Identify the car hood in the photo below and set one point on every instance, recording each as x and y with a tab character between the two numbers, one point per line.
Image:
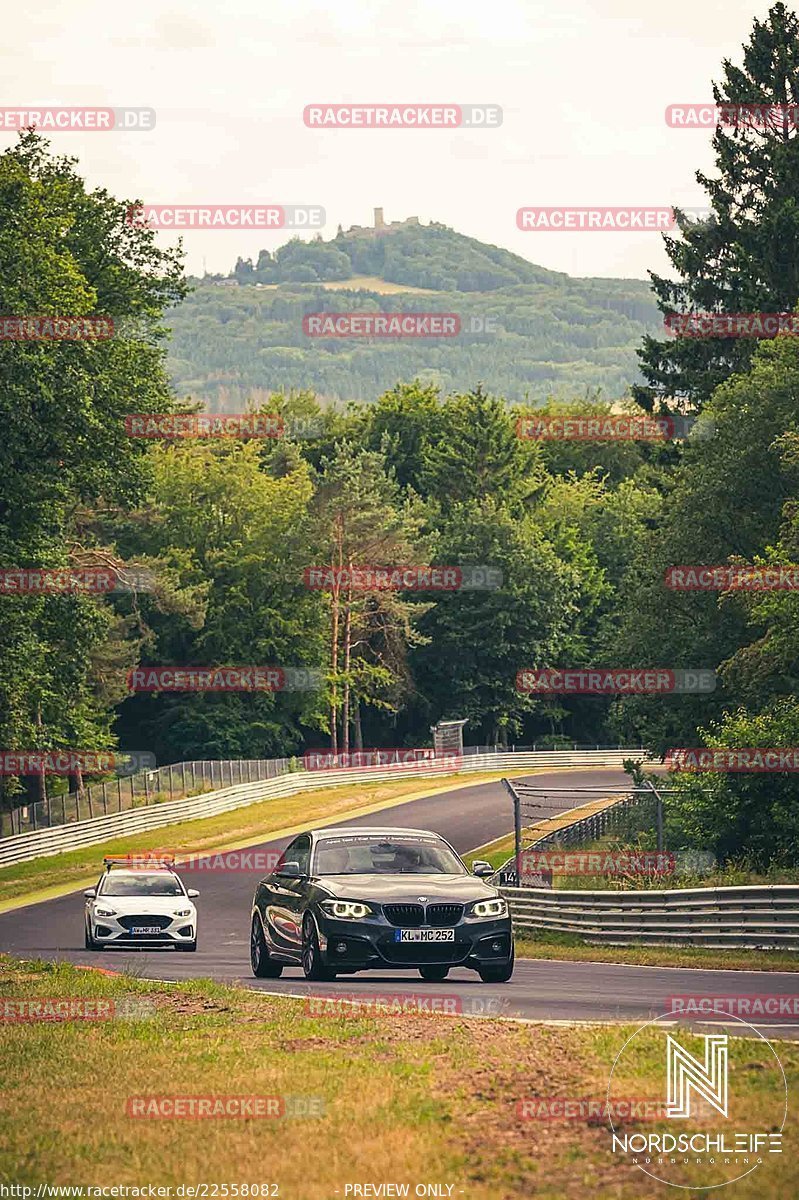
127	905
406	889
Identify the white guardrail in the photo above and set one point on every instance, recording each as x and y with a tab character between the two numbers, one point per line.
764	917
57	839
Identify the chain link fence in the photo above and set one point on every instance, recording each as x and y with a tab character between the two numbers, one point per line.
122	793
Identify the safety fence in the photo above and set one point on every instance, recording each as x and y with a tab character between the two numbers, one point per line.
171	782
59	838
606	816
756	918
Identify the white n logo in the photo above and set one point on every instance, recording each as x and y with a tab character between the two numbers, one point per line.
708	1079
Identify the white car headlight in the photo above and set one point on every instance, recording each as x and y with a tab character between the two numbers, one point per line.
490	908
103	912
182	912
345	910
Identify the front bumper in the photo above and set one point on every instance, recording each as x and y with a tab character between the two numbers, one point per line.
370	943
112	931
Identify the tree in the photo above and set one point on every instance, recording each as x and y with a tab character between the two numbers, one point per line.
723	503
477	453
68	251
480	640
745	257
232	541
752	816
363	521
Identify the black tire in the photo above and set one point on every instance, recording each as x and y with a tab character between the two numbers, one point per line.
262	965
313	964
434	974
188	947
500	973
88	940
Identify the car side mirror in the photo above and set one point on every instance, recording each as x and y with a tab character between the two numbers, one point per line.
291	870
481	868
90	893
192	893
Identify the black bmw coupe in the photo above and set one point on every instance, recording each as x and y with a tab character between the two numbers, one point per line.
360	899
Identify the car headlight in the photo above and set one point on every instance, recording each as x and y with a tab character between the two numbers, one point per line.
345	910
104	912
490	908
182	912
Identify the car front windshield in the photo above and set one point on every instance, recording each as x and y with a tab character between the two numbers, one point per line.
141	885
373	855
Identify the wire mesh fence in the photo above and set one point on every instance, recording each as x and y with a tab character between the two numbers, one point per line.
535	808
122	793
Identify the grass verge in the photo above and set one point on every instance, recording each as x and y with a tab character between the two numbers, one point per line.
402	1098
547	943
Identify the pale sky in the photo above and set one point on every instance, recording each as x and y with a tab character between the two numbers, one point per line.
583	88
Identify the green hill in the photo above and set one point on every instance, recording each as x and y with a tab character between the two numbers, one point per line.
524	331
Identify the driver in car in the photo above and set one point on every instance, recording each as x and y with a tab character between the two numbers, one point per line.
406	859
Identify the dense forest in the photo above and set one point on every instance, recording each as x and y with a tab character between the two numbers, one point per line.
580	533
528	332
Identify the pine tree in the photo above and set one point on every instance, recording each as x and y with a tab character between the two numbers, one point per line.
745	257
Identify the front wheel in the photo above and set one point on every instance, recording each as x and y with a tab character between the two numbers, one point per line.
88	940
434	974
188	947
497	974
263	967
314	966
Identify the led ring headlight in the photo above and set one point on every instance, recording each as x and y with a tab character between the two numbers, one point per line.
490	908
345	910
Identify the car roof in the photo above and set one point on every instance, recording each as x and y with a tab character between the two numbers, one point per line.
383	830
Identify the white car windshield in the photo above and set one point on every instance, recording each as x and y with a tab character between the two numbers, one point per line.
385	856
141	884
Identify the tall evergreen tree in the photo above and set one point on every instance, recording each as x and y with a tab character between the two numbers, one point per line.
745	257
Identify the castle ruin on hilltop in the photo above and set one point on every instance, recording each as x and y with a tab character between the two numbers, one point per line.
380	225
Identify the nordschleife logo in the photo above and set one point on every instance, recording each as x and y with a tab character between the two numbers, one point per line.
725	1101
685	1073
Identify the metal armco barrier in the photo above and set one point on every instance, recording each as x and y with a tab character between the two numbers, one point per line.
58	839
765	918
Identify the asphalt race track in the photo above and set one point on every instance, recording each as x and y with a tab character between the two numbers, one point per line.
544	989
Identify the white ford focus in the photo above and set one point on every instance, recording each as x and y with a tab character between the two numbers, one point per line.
138	907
